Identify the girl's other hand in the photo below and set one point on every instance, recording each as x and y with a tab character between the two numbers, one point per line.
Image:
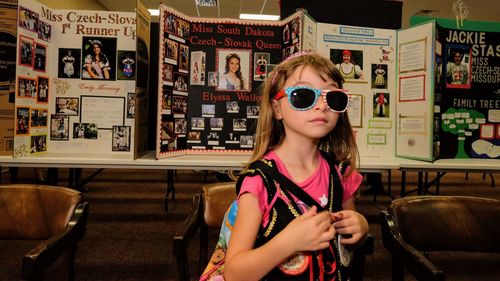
353	226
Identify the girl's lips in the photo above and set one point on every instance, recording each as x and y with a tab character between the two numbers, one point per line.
319	119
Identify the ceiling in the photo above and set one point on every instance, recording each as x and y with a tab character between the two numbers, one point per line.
480	10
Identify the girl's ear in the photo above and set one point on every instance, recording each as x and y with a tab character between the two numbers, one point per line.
277	110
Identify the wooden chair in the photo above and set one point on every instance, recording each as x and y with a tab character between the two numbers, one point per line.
55	215
208	212
414	226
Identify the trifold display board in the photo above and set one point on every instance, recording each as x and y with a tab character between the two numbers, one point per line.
211	70
448	99
78	88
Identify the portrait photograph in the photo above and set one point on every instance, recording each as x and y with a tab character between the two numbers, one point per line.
239	124
28	19
216	124
59	127
26	49
179	104
126	65
381	104
183	57
99	58
39	117
130	105
180	83
180	126
348	62
458	66
22	120
233	66
44	31
69	63
177	27
40	60
197	123
171	50
85	131
67	106
260	61
26	87
253	111
194	137
166	99
232	107
379	76
213	79
121	138
38	143
168	73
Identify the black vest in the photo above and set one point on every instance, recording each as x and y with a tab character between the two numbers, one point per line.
281	214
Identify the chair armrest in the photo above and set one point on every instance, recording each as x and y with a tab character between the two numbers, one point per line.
45	253
185	234
419	265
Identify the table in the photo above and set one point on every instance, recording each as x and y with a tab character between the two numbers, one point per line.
148	161
442	166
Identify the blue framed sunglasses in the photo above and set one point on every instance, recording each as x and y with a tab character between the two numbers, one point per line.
304	98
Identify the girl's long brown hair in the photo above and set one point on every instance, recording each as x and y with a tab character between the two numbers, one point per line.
270	132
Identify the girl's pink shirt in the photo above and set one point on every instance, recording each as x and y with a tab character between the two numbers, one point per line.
316	185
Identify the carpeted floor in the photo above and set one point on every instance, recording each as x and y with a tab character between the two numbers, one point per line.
129	234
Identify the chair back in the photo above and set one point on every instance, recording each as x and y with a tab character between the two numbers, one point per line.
448	223
35	212
216	199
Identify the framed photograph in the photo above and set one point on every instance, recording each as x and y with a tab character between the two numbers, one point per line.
59	127
166	100
183	57
26	87
379	76
168	73
179	104
26	49
38	143
22	120
38	117
261	60
180	126
233	66
232	107
126	65
381	104
28	19
43	90
44	31
121	138
99	58
85	131
67	106
181	83
239	124
167	131
40	60
253	111
349	63
130	105
207	110
171	51
216	124
213	79
197	123
69	63
458	66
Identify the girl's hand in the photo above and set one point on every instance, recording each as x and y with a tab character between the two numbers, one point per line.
351	223
311	231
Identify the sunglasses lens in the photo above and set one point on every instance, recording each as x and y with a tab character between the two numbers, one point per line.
302	98
337	100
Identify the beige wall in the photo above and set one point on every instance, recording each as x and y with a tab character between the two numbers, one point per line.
74	4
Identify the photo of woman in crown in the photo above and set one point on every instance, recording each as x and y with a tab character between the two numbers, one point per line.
99	58
234	70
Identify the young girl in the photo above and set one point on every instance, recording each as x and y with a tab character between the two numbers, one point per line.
302	112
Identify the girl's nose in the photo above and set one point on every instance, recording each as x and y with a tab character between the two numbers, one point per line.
320	104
